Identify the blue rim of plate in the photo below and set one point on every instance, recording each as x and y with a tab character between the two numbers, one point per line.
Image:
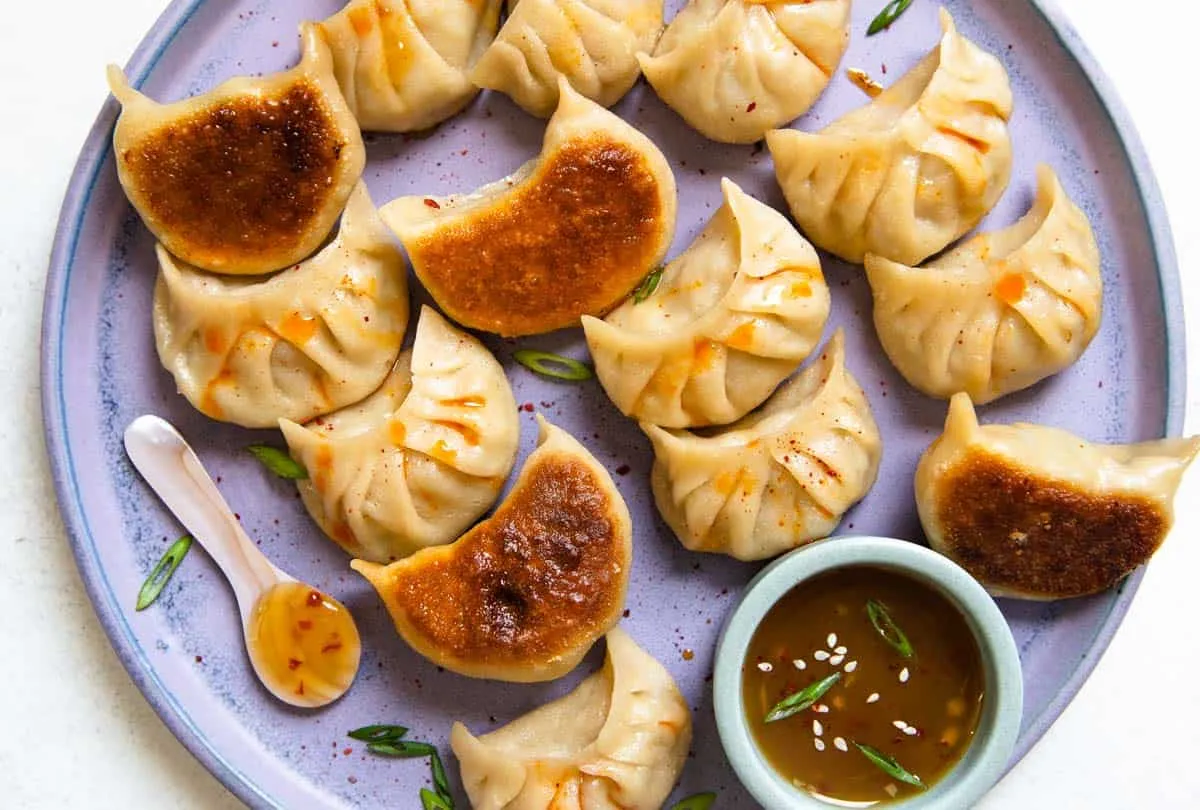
62	463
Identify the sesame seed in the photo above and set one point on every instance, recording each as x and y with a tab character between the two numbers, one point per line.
873	697
821	708
851	666
904	675
900	724
837	660
840	744
891	790
765	666
910	731
818	729
799	664
831	640
841	650
821	655
818	743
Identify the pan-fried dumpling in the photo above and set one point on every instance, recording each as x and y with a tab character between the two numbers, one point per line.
298	344
569	234
998	313
248	178
912	171
730	319
417	462
592	43
779	478
1035	512
403	64
523	595
737	68
619	740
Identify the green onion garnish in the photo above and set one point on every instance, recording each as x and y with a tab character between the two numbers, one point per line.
889	766
554	366
278	461
887	627
163	572
379	733
648	286
440	783
405	749
701	801
432	801
388	741
804	699
888	16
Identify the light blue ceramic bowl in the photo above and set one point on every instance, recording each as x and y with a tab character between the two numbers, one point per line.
986	759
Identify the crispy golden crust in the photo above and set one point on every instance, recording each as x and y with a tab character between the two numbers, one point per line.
1026	534
539	578
242	180
573	241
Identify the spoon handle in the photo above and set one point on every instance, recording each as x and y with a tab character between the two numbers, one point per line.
173	471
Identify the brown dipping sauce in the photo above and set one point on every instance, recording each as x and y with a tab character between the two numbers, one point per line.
937	694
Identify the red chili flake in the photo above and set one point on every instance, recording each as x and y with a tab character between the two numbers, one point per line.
751	107
352	780
623	469
883	68
293	663
275	44
305	624
237	516
688	655
527	407
199	659
336	645
347	752
432	203
300	688
625	613
315	598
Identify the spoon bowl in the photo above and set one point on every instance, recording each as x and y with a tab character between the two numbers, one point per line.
303	644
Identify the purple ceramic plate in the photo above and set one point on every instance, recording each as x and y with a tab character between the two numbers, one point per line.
100	371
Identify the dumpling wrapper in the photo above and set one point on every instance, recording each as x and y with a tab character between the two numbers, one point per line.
734	69
248	178
731	318
421	459
1035	512
523	595
781	477
300	343
999	313
593	44
571	233
913	170
402	64
619	740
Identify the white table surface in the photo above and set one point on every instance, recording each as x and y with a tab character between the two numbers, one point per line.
77	733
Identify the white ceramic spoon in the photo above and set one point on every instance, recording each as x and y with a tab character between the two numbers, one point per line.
303	644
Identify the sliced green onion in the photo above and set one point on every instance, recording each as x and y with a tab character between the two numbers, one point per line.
440	783
401	748
378	733
278	461
889	766
804	699
700	801
432	801
887	627
648	286
554	366
163	572
891	12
